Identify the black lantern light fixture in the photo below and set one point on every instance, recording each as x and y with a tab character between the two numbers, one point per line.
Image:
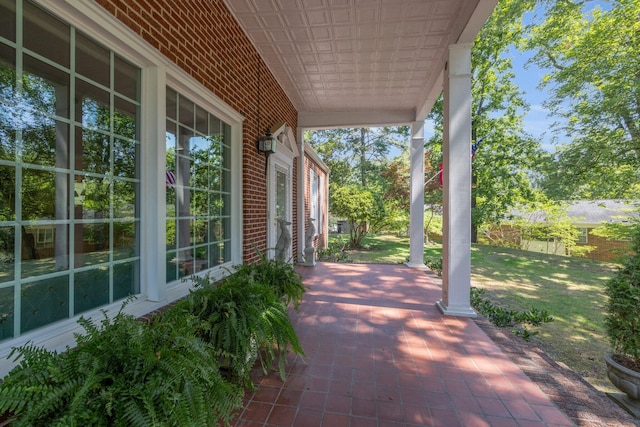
267	145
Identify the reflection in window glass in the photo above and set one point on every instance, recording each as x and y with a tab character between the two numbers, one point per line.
7	254
44	302
46	35
70	241
196	151
6	312
91	289
8	20
92	60
127	78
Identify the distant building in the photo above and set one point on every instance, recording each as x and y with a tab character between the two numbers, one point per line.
586	215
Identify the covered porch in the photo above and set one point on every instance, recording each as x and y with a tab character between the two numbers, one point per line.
379	353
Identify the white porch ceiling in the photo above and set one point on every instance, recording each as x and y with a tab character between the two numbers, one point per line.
359	62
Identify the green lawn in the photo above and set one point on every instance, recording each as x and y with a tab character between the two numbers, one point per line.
570	289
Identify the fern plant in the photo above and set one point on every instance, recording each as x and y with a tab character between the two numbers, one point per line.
122	372
281	276
242	319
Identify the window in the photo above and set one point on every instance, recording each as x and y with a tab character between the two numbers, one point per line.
198	188
316	201
583	234
69	144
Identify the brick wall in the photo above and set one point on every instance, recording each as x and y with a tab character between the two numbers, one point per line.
203	38
606	250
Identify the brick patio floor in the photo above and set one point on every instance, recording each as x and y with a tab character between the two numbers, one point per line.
379	353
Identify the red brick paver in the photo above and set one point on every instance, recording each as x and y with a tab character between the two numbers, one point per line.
379	353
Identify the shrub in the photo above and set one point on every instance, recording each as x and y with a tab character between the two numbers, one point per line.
278	275
434	264
335	252
503	317
622	320
121	372
241	318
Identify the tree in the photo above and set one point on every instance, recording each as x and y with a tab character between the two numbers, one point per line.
506	154
592	59
358	155
358	206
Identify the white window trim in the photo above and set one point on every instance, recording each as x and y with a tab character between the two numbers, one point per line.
157	73
314	199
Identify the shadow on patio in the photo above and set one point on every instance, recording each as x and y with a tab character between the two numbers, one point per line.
379	353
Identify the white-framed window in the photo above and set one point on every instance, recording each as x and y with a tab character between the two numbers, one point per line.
83	208
583	235
198	190
71	119
316	208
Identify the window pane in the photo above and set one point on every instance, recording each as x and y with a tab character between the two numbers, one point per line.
7	254
124	240
46	92
172	267
171	235
202	121
93	244
47	256
44	302
125	280
91	289
125	117
8	192
201	231
6	313
171	104
125	154
8	122
8	19
124	199
198	202
93	109
92	151
185	114
46	144
52	190
46	35
91	198
126	78
92	60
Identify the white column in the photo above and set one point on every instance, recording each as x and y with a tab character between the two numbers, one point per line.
300	186
456	239
416	222
153	209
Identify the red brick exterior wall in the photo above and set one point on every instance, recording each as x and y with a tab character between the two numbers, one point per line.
322	240
606	250
203	38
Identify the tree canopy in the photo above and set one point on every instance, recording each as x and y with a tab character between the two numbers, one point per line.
591	54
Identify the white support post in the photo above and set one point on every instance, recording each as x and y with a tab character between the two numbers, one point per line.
300	181
153	206
416	222
456	239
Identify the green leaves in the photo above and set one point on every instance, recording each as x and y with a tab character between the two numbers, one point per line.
623	307
592	58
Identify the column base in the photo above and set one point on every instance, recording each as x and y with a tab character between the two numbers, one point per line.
419	265
460	311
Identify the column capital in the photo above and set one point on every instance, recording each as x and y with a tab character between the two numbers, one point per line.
460	59
417	130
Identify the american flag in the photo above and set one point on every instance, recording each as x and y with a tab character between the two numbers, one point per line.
474	147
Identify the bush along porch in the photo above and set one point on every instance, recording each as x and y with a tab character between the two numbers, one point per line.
188	365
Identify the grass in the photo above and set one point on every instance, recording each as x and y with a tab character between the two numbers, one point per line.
570	289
